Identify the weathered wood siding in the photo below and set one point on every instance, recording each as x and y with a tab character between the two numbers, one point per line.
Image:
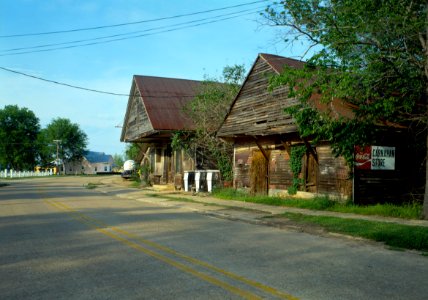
138	121
280	175
332	174
242	163
258	111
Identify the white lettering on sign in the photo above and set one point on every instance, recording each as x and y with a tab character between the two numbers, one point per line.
383	158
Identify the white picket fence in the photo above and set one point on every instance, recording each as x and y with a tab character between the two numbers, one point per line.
20	174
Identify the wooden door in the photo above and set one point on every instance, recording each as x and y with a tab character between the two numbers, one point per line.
311	173
258	174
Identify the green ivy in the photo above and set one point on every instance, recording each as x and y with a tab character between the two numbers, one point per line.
297	152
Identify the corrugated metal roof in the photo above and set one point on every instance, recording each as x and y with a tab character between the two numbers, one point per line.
164	99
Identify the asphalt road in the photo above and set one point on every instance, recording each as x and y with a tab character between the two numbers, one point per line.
59	240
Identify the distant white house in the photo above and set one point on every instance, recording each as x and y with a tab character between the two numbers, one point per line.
91	163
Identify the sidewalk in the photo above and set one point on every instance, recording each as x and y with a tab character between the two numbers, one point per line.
237	210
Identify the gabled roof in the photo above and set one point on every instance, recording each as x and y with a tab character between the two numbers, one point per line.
255	111
164	99
258	112
157	104
97	157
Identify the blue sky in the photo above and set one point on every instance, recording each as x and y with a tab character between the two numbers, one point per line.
189	53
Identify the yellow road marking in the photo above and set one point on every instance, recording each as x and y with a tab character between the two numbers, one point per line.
97	224
180	266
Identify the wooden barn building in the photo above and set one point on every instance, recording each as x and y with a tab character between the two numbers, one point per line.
154	112
264	137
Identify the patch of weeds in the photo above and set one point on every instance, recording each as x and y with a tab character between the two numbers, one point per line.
91	185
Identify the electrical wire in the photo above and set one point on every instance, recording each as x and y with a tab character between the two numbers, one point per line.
62	83
128	23
163	29
167	95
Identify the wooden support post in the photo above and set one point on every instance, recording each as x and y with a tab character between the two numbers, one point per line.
261	148
287	146
310	149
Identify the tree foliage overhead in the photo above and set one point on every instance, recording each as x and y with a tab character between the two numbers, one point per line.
72	141
208	110
370	53
19	128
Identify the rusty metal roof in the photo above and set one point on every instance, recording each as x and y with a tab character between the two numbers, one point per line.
164	99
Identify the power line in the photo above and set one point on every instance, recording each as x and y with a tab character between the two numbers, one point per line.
128	23
62	83
16	51
167	95
120	39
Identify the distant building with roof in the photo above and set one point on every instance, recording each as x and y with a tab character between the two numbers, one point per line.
154	113
91	163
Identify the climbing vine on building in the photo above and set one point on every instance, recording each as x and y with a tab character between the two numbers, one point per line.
296	155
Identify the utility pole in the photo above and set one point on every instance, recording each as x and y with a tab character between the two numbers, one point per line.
57	151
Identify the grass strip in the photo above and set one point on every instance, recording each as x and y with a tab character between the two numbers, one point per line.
393	235
405	211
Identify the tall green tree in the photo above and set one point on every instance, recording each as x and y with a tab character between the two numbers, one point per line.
373	54
63	137
132	151
118	161
19	128
207	110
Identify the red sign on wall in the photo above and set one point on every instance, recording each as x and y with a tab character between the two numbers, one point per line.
363	159
375	158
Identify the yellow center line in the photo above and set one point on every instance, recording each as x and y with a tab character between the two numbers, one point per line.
195	261
180	266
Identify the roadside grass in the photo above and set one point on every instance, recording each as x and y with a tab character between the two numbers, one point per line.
405	211
396	236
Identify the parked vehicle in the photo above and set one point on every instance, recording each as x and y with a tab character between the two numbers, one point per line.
129	169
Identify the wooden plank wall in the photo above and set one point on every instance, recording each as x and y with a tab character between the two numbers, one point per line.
280	175
257	111
333	176
138	121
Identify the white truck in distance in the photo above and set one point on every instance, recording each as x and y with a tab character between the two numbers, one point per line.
129	168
